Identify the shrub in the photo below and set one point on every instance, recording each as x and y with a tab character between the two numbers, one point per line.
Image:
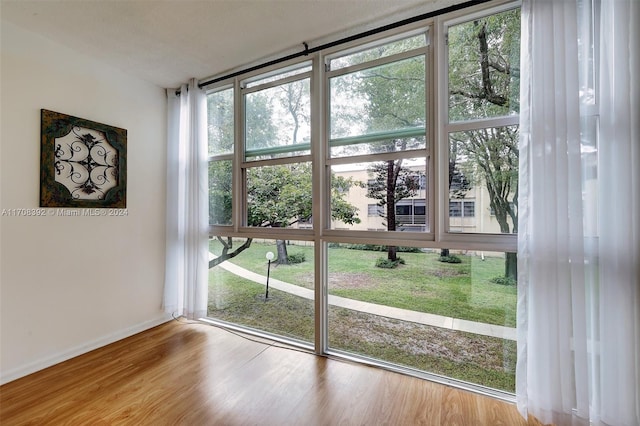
450	259
385	263
375	247
297	258
503	281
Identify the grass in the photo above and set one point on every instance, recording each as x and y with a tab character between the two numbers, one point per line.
237	300
460	290
423	284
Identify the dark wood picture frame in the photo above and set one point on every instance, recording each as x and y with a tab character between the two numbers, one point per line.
82	163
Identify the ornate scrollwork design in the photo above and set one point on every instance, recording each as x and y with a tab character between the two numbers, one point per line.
85	163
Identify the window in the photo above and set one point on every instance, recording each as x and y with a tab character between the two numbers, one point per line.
459	208
455	209
403	209
377	124
483	107
277	115
338	162
374	210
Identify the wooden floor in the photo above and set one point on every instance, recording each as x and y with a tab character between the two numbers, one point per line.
196	374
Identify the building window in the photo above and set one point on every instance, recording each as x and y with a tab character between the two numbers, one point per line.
462	208
403	209
374	210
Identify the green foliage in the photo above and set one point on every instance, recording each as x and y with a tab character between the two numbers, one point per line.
297	257
385	263
220	198
449	259
508	281
279	196
375	247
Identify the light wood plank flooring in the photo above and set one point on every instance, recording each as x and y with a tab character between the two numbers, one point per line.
196	374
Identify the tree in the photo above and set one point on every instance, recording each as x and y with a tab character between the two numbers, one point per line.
391	183
484	83
280	196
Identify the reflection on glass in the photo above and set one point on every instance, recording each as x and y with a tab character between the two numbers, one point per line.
237	286
220	122
451	313
378	52
279	75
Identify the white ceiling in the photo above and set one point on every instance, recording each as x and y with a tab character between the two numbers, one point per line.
167	42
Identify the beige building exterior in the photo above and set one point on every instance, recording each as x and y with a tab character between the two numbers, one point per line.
470	214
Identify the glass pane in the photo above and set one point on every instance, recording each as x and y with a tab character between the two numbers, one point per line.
483	176
220	203
378	52
220	122
380	101
359	194
278	121
451	313
484	67
238	291
279	196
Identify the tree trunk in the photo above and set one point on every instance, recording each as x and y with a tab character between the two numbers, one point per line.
444	252
391	206
283	256
391	253
511	266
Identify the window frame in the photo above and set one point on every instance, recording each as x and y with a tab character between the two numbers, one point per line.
424	239
477	241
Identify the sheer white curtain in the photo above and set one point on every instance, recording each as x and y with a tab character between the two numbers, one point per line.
187	203
579	219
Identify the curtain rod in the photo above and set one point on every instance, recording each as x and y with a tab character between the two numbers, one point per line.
308	51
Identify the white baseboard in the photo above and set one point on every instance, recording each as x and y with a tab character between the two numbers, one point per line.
32	367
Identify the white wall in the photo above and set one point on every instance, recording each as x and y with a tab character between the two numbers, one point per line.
70	284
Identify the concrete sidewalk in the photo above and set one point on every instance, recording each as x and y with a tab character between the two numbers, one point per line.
372	308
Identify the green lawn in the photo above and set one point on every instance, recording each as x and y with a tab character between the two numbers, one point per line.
422	284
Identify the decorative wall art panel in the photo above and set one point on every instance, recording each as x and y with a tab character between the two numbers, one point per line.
82	163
